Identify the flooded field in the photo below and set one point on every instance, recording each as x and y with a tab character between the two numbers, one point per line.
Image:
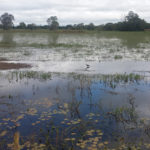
72	91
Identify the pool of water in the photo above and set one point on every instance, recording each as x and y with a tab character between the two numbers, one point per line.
83	91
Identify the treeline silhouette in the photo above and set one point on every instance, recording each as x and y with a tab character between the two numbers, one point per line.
131	22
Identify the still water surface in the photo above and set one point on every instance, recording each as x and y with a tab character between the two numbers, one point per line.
84	90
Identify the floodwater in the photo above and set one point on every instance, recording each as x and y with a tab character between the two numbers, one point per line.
83	91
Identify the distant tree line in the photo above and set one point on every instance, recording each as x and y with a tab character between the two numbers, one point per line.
131	22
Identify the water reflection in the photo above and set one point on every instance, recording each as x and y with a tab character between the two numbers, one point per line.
76	106
128	39
100	46
52	39
7	40
111	102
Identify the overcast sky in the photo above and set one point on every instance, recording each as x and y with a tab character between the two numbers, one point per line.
74	11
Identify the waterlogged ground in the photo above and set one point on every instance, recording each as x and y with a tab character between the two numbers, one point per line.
83	91
102	46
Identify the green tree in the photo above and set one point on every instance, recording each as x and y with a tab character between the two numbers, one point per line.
90	26
80	26
22	25
131	16
132	22
31	26
7	21
109	27
53	22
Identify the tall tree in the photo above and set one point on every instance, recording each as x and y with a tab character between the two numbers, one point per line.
22	25
90	26
7	21
80	26
131	16
53	22
31	26
132	22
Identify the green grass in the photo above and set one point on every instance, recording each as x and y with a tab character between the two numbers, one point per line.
118	57
45	31
40	45
71	31
65	45
31	75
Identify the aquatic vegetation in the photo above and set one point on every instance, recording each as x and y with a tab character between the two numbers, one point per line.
30	74
7	44
118	57
116	79
125	77
26	53
41	45
101	46
3	133
82	108
31	111
75	134
124	114
74	131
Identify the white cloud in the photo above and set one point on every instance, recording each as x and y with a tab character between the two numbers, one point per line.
74	11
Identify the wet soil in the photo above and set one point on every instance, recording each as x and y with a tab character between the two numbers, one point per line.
7	66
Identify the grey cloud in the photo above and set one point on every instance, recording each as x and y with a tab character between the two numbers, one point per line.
74	11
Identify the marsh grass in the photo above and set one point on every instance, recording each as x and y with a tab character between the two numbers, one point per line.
41	45
45	31
26	53
83	133
116	79
51	45
118	57
6	44
73	130
110	80
30	75
100	46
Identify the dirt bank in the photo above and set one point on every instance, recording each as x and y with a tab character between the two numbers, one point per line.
7	66
3	59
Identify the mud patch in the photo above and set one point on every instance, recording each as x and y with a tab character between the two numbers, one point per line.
7	66
3	59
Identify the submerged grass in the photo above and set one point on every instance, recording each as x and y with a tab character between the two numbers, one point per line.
113	80
123	77
65	45
73	130
41	45
29	75
109	80
118	57
99	45
77	133
5	44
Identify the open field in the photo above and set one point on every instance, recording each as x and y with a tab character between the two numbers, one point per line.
74	90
